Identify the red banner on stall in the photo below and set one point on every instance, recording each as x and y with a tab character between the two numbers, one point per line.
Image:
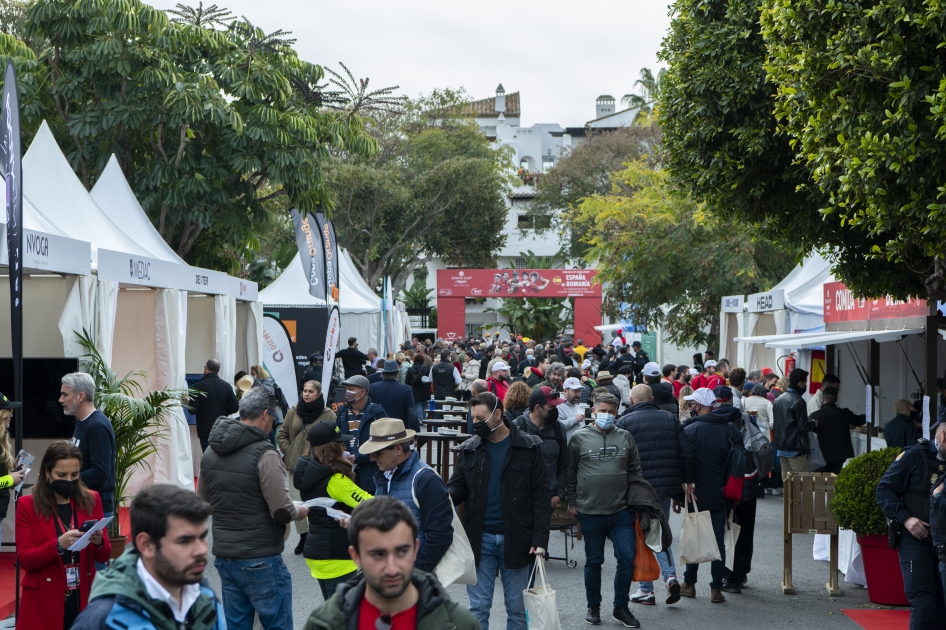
841	306
518	283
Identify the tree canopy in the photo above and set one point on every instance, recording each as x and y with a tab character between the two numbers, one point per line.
435	188
210	117
725	148
666	262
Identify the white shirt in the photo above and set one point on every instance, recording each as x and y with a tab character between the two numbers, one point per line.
189	593
568	418
816	402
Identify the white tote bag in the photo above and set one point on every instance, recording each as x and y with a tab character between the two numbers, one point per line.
730	536
458	565
541	611
697	541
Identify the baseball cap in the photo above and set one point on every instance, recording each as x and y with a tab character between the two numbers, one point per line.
316	356
325	433
545	394
6	403
694	372
709	363
500	365
572	383
704	396
651	369
722	393
766	371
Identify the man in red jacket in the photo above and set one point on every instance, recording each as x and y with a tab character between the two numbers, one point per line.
498	381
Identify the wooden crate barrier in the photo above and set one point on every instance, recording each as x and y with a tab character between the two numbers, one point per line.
807	497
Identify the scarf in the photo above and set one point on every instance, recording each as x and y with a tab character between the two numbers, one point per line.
309	412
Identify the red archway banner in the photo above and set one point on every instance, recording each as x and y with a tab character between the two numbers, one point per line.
453	285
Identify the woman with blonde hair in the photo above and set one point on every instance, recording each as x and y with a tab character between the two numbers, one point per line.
684	413
10	474
516	401
292	438
325	473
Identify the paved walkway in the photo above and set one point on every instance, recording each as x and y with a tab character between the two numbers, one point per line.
761	604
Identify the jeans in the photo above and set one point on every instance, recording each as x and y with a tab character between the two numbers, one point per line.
514	582
101	566
260	585
421	410
619	528
919	566
328	587
717	567
204	443
664	558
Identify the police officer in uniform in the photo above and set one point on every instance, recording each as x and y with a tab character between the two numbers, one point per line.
904	496
938	508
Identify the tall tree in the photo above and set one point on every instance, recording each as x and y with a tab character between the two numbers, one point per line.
585	170
435	189
724	147
210	117
666	262
648	92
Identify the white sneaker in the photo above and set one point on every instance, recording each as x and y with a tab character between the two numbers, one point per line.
640	597
777	492
769	491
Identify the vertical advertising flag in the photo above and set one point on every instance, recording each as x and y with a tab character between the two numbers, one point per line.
278	358
330	246
332	341
10	162
310	252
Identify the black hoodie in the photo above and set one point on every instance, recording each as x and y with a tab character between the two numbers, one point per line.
663	397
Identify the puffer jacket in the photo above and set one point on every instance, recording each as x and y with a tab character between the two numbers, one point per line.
790	422
667	456
709	435
471	372
414	378
435	609
293	435
553	448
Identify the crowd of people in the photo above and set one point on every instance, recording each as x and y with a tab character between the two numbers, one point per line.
601	435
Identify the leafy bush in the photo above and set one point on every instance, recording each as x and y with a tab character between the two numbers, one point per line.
854	503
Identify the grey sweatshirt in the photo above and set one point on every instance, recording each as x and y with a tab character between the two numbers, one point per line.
601	468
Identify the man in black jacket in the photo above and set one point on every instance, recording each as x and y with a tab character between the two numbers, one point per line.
662	390
218	400
834	430
421	390
668	465
640	360
500	462
395	398
791	425
353	359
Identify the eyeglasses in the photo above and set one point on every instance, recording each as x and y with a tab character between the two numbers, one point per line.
383	622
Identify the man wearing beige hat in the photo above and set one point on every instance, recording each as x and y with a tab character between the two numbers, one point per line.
404	476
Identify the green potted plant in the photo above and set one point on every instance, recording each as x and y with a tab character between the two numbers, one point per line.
855	508
138	422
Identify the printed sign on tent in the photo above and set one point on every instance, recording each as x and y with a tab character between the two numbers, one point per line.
278	358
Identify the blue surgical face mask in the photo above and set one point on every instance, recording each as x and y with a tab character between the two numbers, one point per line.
604	420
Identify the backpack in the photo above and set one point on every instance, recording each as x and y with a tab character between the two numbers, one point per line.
759	445
741	482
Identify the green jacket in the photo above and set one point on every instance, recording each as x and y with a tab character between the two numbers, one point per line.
435	609
120	599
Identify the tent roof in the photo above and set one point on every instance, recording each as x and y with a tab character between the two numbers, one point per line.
57	199
116	199
804	285
291	289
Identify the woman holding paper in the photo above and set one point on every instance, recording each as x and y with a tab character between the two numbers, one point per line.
57	581
10	473
325	473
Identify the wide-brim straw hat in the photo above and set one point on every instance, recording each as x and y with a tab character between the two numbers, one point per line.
245	383
385	432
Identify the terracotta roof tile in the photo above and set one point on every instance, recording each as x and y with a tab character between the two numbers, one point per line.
486	107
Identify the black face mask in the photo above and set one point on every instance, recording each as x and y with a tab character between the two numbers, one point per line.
482	429
552	416
63	487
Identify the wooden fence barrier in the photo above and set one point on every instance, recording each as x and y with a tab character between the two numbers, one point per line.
807	511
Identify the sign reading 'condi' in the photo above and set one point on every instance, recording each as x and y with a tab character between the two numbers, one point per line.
518	283
840	305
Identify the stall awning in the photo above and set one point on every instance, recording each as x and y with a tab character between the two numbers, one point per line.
829	338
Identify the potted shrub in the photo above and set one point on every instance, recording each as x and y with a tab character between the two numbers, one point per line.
138	422
855	508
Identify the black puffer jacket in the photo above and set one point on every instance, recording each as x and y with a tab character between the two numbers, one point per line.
663	397
664	448
709	436
414	378
327	540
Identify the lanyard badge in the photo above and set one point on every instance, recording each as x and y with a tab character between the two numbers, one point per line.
72	577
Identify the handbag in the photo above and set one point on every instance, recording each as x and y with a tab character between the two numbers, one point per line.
539	601
458	565
816	459
697	540
646	567
730	537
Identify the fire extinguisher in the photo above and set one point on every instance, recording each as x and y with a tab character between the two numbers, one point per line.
789	364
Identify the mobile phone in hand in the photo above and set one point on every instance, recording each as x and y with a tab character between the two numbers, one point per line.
86	526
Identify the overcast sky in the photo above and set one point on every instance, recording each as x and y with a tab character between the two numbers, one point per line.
559	54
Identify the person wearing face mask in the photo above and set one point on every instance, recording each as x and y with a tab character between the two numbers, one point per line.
501	480
243	478
56	581
541	420
355	417
904	495
606	491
